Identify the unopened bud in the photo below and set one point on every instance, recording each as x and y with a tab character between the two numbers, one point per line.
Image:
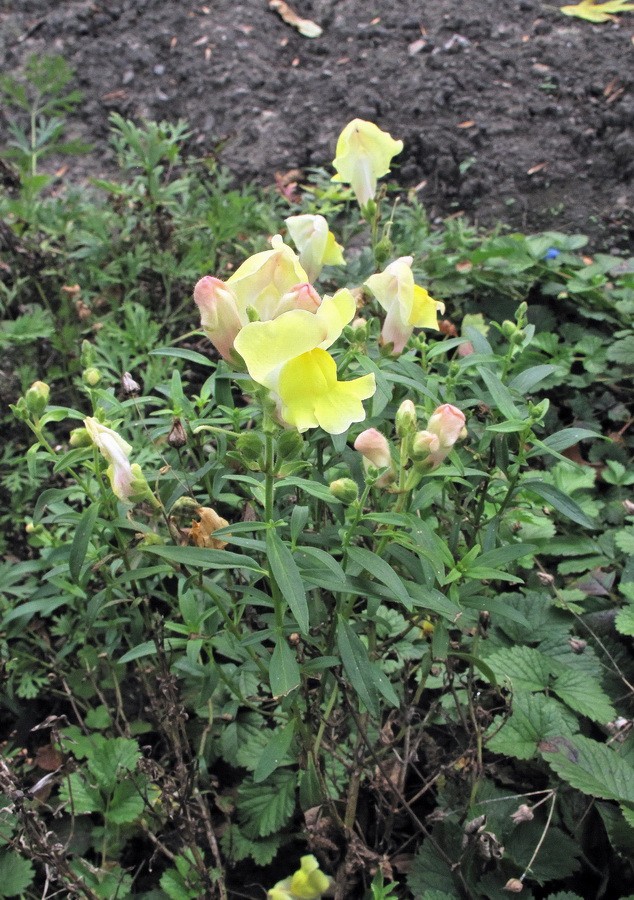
514	885
537	411
628	506
509	328
578	645
250	446
424	443
87	357
177	437
290	444
374	448
129	385
36	398
344	489
79	437
405	419
91	376
359	329
382	252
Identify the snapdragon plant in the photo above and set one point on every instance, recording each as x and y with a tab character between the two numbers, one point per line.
305	556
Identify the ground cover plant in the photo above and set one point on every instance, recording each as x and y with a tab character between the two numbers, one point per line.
318	583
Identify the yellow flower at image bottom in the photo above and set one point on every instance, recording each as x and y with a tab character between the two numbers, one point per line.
311	396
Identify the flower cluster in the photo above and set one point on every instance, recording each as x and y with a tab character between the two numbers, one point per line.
269	318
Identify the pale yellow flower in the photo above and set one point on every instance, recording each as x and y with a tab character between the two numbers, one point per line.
288	356
363	155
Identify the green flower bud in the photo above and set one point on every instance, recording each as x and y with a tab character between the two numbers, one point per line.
509	329
382	252
250	446
87	357
36	398
344	489
290	444
79	437
405	419
537	411
91	376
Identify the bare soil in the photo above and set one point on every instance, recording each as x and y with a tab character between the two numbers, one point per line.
510	111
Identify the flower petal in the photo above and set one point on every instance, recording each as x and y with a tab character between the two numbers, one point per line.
311	395
265	277
265	346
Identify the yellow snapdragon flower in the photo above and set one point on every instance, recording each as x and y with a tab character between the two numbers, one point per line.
316	244
407	305
308	883
288	356
263	279
363	155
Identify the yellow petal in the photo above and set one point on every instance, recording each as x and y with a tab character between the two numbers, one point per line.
424	309
265	346
311	395
335	312
265	277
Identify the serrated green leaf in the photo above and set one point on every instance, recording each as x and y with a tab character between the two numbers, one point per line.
534	718
126	803
237	847
274	752
111	757
624	540
265	808
625	620
288	577
525	667
382	571
176	887
16	873
622	351
243	741
584	695
619	830
592	768
80	796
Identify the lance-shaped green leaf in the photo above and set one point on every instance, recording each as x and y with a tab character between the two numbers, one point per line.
382	571
289	580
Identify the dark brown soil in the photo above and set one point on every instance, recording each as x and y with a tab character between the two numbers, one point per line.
509	109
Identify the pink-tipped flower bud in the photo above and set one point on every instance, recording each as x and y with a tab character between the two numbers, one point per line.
219	314
447	424
301	296
374	448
